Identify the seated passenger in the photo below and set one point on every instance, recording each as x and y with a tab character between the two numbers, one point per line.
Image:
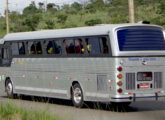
50	51
88	48
71	48
39	48
32	50
49	48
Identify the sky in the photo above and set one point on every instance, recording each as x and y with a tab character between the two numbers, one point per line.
19	5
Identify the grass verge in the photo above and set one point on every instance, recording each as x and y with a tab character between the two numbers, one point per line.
9	111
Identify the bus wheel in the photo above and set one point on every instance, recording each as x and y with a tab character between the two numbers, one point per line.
77	96
9	89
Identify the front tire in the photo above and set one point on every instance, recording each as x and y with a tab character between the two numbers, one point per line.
77	96
9	89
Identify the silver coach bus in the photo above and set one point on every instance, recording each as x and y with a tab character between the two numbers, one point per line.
108	63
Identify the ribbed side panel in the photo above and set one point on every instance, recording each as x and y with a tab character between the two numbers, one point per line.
158	80
130	81
101	83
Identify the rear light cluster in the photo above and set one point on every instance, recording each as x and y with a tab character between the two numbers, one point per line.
120	76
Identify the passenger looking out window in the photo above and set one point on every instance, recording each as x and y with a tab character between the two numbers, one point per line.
34	48
69	46
79	46
49	48
53	47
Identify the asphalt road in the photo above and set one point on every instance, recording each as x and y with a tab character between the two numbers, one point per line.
154	110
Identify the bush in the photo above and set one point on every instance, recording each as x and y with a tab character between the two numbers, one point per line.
62	18
49	24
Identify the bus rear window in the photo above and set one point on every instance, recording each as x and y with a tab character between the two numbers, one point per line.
140	39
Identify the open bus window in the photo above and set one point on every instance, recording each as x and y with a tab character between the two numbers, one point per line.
69	46
38	48
49	47
79	46
21	48
34	48
53	47
57	47
104	45
31	48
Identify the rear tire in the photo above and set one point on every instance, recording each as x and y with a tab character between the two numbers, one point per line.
9	89
77	96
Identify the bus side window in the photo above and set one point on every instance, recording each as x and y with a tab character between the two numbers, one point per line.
79	46
57	47
21	48
93	46
49	47
69	46
14	47
104	45
53	47
38	48
31	48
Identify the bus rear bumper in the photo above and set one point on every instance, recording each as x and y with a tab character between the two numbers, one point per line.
135	98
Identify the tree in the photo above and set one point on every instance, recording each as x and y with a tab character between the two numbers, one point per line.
31	9
66	8
52	7
75	7
31	22
95	5
41	6
161	7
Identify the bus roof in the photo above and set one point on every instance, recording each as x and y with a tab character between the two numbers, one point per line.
69	32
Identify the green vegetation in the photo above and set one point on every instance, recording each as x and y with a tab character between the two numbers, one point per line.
92	12
9	111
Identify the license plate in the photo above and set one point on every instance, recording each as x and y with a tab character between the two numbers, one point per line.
144	85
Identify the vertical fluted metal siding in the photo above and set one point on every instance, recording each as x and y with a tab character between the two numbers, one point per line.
101	83
158	80
130	81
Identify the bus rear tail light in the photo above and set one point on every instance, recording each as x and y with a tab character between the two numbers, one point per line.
120	76
119	69
119	90
120	83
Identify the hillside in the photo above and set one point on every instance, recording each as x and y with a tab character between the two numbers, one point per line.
35	17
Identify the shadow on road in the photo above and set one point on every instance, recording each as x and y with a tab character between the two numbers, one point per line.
134	107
